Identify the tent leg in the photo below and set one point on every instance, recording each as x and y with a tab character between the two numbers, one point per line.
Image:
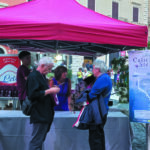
148	136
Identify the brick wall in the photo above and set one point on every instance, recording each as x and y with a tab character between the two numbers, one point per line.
12	2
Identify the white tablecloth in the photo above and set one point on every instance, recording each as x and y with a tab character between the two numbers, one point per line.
15	132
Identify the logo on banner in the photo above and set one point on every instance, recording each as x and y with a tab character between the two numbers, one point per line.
8	74
141	62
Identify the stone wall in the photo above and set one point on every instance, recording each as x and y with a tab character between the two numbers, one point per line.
149	19
77	62
105	7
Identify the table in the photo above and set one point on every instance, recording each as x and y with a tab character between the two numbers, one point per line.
15	132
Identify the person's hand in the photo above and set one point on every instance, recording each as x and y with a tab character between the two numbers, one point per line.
53	90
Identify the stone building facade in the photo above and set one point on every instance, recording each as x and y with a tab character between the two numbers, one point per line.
149	19
132	11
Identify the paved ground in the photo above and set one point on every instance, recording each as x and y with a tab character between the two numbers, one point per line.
139	129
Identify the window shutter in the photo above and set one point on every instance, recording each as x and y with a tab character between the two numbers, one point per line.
115	10
91	4
135	14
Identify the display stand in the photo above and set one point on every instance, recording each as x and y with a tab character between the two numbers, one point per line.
14	99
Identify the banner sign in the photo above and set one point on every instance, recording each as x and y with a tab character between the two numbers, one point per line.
139	86
8	69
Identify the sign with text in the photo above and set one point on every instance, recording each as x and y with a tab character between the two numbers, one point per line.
139	86
8	69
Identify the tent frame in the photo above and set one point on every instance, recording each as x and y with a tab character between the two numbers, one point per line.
79	48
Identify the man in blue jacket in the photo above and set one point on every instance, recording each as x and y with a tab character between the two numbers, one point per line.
102	85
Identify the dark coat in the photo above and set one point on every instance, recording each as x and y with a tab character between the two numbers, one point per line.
42	110
91	114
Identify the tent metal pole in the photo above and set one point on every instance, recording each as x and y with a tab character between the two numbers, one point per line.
56	46
147	131
113	49
148	136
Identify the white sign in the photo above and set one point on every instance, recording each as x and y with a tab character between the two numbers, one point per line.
139	86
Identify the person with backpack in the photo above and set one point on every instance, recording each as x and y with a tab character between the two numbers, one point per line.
102	86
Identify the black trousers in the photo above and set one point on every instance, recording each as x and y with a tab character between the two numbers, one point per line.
97	138
39	133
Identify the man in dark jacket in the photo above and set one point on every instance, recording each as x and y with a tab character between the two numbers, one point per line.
102	85
42	112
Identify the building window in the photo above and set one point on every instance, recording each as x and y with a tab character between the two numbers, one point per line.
135	14
2	5
91	4
70	59
115	10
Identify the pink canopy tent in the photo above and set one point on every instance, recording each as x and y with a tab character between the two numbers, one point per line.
67	26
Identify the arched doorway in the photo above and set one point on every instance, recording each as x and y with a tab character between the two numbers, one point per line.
2	5
2	51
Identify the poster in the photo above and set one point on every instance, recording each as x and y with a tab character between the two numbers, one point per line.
8	69
139	86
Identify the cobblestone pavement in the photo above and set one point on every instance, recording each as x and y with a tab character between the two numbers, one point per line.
139	129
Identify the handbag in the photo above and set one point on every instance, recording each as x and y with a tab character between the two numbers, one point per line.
27	106
84	121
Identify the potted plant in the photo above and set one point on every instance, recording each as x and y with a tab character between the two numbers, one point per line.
123	82
115	67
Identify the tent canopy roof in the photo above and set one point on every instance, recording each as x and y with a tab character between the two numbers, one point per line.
65	25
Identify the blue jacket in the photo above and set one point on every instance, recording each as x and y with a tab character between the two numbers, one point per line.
102	85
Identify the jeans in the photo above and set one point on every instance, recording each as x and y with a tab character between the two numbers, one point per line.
97	138
79	80
39	133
